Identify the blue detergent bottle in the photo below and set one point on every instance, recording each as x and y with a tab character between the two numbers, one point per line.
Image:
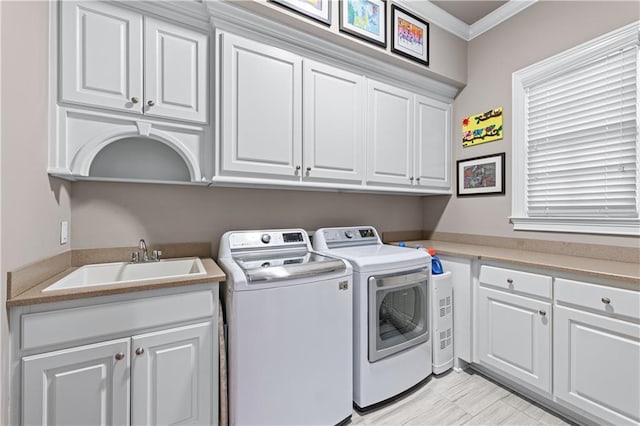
436	265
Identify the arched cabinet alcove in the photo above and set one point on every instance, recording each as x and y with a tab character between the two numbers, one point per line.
103	146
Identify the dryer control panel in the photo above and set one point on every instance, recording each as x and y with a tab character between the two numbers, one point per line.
346	236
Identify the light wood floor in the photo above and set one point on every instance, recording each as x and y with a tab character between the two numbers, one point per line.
464	398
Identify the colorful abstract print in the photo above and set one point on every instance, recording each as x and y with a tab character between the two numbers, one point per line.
364	15
410	36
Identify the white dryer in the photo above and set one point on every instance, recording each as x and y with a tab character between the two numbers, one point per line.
289	318
391	339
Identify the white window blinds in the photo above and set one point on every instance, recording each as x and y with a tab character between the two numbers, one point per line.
581	133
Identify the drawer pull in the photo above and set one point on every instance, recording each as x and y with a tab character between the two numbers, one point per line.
543	313
606	300
509	280
139	351
119	356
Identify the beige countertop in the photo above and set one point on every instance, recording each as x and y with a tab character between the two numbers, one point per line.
626	274
35	295
25	285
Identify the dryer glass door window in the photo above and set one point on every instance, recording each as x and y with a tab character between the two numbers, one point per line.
398	312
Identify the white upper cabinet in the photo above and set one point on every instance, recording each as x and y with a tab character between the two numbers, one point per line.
175	71
261	109
432	154
390	134
100	55
333	111
102	65
408	138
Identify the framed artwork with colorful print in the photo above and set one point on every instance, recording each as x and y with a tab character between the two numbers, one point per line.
410	36
365	19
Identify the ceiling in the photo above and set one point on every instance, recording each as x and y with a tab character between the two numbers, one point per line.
468	11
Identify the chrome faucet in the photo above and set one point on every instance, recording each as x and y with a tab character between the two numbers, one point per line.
142	245
145	254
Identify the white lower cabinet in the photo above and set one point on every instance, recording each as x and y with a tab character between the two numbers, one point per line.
513	329
514	336
85	385
597	356
158	368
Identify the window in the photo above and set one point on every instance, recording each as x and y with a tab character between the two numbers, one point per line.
575	139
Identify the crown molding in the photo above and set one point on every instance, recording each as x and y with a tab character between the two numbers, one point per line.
455	26
498	16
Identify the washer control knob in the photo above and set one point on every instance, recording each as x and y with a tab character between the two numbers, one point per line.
265	238
348	234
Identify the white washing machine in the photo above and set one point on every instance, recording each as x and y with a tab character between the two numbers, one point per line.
391	339
289	318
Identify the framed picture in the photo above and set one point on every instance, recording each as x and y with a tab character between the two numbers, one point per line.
410	36
481	175
320	10
365	19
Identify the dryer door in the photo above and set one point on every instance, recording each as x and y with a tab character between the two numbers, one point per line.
398	312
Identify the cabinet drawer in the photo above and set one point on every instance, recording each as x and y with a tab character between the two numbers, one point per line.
111	319
516	281
607	300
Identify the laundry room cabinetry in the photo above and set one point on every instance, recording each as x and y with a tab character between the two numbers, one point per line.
113	57
408	138
263	115
125	75
597	350
513	329
121	363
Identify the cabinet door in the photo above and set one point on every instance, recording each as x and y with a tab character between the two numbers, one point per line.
100	55
596	365
176	63
432	156
172	377
261	109
389	134
86	385
514	336
333	146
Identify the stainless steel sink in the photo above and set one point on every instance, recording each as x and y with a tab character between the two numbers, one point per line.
125	272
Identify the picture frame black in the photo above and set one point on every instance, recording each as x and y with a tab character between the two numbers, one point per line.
481	176
303	8
354	23
409	35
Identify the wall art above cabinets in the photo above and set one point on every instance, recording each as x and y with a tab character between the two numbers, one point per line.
132	99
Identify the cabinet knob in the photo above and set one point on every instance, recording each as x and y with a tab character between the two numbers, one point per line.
298	168
308	169
418	179
509	281
411	178
543	313
151	103
119	356
606	300
139	351
135	100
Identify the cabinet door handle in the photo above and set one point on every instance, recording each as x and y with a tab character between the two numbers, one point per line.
151	103
543	313
139	351
298	168
411	178
135	100
418	179
509	281
308	169
606	300
119	356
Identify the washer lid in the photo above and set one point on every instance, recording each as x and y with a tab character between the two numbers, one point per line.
270	266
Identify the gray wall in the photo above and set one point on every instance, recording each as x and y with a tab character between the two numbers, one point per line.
118	214
32	203
540	31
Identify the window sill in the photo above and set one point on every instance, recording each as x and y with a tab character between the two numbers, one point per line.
628	227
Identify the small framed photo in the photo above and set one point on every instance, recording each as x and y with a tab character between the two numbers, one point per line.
410	36
365	19
320	10
481	175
